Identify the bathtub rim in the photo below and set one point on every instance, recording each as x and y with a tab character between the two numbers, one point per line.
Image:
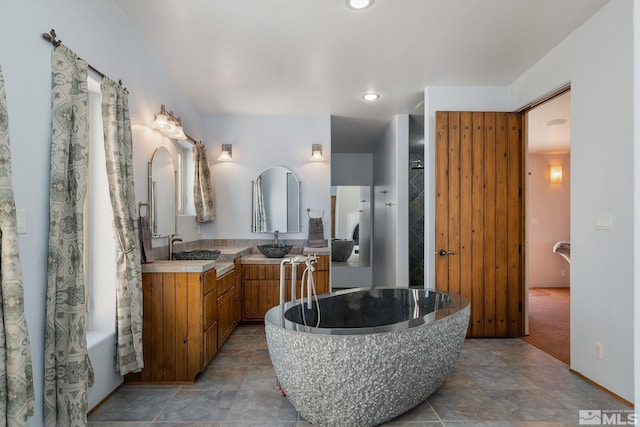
275	315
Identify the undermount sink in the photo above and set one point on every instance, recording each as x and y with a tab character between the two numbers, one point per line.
197	254
275	250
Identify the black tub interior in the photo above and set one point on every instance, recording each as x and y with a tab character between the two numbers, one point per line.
369	308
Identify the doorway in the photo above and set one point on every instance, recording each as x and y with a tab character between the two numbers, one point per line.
548	190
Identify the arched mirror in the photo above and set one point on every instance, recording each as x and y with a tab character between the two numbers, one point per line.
276	201
162	193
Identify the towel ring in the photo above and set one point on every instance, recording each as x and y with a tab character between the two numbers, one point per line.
309	215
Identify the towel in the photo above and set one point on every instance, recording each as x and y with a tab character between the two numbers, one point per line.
316	233
146	250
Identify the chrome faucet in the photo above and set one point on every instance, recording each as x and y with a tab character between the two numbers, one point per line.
275	233
172	239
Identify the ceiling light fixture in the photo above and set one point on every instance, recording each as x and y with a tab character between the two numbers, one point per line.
371	96
168	125
359	4
556	122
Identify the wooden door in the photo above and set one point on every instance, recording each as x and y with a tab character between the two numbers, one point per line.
479	217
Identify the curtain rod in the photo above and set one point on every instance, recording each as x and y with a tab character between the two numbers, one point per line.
51	37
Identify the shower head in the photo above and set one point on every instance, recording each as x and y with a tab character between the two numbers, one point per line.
415	164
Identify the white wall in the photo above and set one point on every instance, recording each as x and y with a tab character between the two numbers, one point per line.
636	197
598	61
548	220
391	205
98	33
258	143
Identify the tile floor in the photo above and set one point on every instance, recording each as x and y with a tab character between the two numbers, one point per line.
496	383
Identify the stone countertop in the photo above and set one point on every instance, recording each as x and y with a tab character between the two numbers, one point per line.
229	253
326	250
261	259
192	266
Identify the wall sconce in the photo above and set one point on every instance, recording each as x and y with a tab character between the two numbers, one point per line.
168	125
226	153
555	174
316	153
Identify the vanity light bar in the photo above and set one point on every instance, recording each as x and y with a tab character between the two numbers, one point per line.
169	125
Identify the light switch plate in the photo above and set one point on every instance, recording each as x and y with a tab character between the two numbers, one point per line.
21	219
603	221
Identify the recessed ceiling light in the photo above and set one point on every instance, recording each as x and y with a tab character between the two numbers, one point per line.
556	122
371	96
359	4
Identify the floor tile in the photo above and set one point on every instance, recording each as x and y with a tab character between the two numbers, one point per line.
467	404
261	424
121	424
476	356
498	378
422	412
261	405
243	342
534	405
260	378
482	424
134	404
188	424
261	358
219	378
232	358
198	405
553	377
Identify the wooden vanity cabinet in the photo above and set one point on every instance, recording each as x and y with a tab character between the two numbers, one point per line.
226	306
261	286
180	326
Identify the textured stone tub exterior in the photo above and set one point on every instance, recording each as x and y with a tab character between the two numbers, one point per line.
365	379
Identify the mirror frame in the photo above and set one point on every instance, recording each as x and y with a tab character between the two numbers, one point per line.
152	195
298	210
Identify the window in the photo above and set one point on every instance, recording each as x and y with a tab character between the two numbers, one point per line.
99	245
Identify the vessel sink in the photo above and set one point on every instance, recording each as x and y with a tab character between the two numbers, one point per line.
274	251
341	249
197	254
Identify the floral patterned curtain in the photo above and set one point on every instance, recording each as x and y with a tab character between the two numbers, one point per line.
118	149
202	189
16	386
68	371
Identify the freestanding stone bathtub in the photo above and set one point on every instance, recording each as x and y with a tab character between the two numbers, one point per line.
374	355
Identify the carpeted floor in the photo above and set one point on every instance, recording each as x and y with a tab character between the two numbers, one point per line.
549	321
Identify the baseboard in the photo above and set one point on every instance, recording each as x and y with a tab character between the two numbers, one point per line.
609	392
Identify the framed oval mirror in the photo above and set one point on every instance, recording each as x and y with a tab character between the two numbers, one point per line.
162	193
276	201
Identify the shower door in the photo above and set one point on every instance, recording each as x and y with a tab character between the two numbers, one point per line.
479	217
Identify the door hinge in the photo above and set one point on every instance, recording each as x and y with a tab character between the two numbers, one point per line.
520	307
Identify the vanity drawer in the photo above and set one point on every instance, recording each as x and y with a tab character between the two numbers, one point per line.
226	282
210	281
210	309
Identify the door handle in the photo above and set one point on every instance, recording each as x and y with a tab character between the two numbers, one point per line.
442	252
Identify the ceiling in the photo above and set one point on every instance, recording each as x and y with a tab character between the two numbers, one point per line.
549	126
318	56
